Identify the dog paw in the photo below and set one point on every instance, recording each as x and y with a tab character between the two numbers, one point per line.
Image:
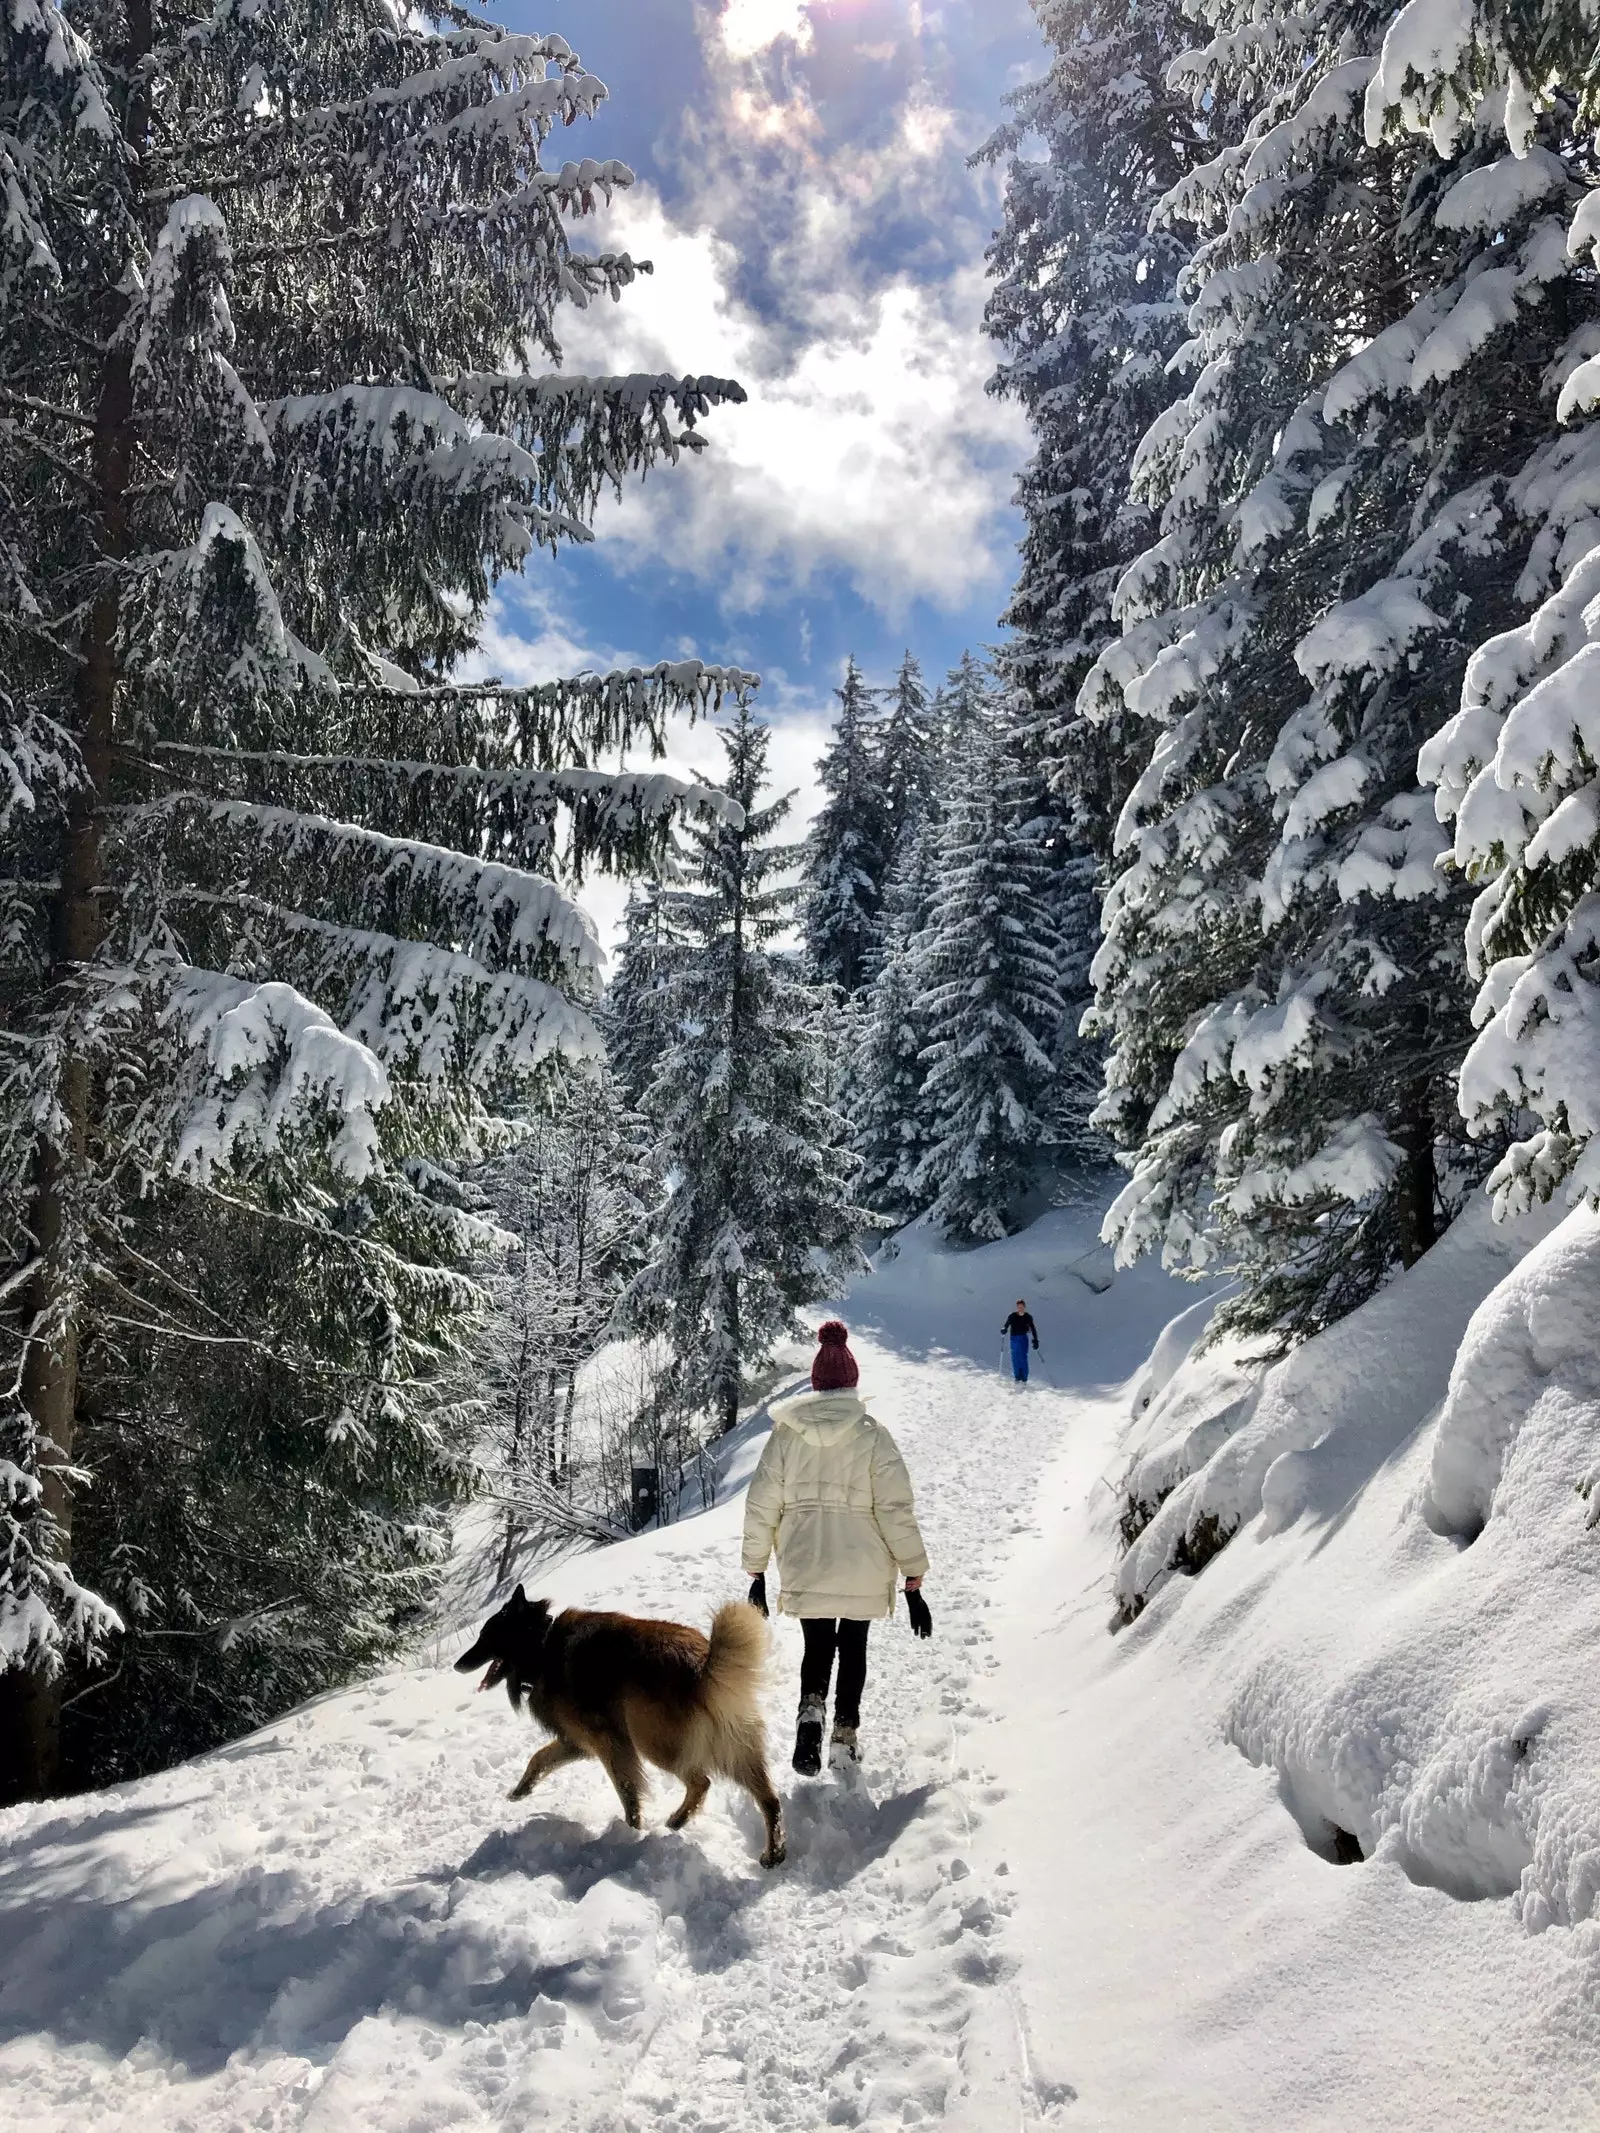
775	1853
520	1790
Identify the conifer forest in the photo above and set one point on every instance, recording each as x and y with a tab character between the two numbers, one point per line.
358	1198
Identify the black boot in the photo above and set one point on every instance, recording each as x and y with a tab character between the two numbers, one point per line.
808	1737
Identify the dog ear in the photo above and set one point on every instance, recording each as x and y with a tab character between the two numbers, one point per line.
517	1601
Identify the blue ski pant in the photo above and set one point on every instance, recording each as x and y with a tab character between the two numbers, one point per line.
1019	1356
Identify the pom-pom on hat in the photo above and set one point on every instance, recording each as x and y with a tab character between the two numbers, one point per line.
833	1367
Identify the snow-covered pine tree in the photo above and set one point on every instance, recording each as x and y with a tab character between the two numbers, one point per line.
759	1216
847	852
572	1193
636	1014
988	968
1515	769
279	902
908	759
889	1121
962	709
1281	979
1085	309
885	1096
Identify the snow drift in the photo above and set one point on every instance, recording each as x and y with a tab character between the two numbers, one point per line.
1421	1671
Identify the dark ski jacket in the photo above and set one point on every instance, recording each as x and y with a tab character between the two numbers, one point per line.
1022	1322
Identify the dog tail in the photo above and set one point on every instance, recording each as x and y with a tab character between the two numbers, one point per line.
735	1664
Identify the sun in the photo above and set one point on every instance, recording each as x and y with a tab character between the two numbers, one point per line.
749	26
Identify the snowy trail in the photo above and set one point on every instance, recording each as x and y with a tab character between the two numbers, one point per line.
1060	1893
341	1922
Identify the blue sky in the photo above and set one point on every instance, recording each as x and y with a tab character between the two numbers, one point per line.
815	233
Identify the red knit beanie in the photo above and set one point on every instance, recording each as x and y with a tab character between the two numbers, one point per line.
833	1367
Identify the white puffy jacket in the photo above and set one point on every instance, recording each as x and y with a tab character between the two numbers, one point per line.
832	1495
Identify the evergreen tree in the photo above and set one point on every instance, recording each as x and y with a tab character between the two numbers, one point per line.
884	1096
988	969
1515	768
1281	980
280	904
963	707
908	758
847	852
572	1194
1085	308
759	1217
637	1014
886	1090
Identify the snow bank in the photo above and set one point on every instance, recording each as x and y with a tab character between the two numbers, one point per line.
1538	1333
1458	1734
1430	1699
1250	1442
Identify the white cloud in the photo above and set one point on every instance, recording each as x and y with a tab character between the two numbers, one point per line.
868	444
828	254
746	27
523	639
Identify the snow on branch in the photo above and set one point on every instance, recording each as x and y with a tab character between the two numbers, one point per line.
431	1013
1356	1162
273	1061
1438	57
579	714
1333	102
214	595
503	915
559	441
617	819
603	428
480	85
39	762
1539	1051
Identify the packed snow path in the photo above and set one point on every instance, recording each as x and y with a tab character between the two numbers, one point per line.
1070	1888
341	1923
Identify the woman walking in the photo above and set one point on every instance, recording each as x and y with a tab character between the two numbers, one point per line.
832	1495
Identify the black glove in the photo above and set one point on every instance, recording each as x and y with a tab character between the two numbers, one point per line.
921	1620
1036	1347
758	1591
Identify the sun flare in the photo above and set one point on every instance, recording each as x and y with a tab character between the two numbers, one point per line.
750	26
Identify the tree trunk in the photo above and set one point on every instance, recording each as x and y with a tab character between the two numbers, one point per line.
728	1400
729	1393
568	1408
1418	1183
30	1719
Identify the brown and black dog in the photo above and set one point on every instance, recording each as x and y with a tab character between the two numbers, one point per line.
619	1688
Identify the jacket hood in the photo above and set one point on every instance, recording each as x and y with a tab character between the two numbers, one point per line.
819	1417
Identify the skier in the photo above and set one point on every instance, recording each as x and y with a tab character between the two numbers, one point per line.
1021	1328
832	1495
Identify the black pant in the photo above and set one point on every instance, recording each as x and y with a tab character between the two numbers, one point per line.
823	1639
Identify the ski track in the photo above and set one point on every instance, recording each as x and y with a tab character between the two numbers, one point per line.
341	1923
